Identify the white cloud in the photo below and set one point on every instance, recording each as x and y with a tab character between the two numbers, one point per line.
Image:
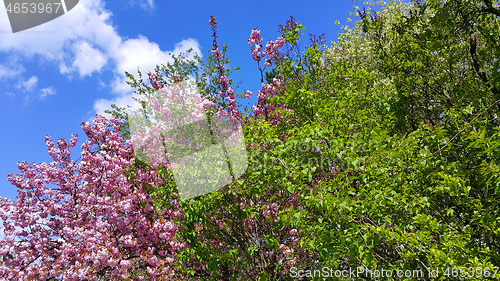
10	71
145	55
102	105
52	39
27	85
88	59
142	54
85	41
47	92
147	5
10	94
101	84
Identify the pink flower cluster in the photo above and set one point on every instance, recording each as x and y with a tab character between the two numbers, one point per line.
254	37
217	54
80	220
228	97
272	112
154	83
271	51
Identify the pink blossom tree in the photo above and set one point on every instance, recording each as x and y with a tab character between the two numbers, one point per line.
77	220
117	217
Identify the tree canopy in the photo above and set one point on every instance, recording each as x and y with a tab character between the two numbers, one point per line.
379	151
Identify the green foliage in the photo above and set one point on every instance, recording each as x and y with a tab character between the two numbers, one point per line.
387	152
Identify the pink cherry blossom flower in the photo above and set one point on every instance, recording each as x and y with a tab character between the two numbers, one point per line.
223	80
254	37
217	54
154	83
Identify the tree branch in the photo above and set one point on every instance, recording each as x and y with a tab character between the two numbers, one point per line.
490	9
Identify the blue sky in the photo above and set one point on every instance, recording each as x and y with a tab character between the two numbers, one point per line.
57	75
